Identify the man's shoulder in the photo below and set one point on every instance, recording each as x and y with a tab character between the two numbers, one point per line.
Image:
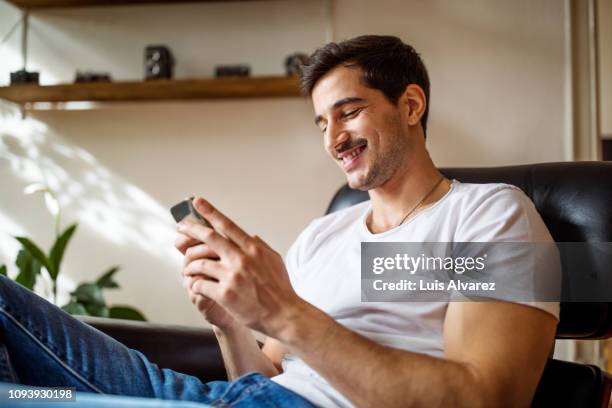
497	211
471	196
486	190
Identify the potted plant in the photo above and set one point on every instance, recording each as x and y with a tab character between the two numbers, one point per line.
33	263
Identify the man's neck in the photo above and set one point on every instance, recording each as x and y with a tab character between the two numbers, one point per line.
392	201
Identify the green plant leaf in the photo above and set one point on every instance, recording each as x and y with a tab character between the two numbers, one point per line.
75	308
57	251
3	270
89	294
126	312
29	269
37	253
97	310
106	280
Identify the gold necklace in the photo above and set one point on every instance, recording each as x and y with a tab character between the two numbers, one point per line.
420	202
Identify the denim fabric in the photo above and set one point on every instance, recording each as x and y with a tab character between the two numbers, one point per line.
40	345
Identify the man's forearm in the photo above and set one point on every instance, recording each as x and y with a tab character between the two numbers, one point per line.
241	353
370	374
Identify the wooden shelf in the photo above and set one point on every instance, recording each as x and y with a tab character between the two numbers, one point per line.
178	89
48	4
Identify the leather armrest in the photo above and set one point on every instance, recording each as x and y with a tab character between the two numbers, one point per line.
567	384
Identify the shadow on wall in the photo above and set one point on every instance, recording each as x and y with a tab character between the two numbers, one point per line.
118	222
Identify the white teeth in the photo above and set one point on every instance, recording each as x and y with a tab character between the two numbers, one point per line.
352	154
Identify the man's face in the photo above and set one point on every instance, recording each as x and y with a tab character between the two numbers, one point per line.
364	133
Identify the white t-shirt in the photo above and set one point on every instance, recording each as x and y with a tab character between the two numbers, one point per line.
324	269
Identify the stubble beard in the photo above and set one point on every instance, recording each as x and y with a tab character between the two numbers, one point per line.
384	165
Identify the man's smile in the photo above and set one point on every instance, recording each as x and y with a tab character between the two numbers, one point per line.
350	157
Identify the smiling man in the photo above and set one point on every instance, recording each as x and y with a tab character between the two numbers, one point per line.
325	346
370	96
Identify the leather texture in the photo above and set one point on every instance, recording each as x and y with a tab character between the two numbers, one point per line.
567	384
575	202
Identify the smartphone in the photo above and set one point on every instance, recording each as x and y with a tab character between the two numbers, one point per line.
184	211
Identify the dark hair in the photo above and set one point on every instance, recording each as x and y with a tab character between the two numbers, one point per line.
387	64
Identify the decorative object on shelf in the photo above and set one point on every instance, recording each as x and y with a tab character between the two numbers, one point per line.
158	62
24	77
87	298
238	70
294	62
92	76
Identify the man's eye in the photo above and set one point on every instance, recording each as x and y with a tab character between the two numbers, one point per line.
351	114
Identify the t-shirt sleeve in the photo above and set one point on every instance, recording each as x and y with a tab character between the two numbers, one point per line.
522	255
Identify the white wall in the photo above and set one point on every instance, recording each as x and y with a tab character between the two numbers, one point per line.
497	70
497	73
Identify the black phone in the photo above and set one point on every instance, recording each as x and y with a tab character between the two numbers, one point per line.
185	211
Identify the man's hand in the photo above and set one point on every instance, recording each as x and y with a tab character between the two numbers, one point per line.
239	348
249	279
212	311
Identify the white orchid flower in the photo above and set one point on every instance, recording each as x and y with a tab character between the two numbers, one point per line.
50	199
35	188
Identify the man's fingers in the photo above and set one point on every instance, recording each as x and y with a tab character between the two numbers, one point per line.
220	222
205	288
183	242
199	251
206	267
216	242
188	282
194	297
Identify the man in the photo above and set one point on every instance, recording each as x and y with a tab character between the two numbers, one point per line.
324	346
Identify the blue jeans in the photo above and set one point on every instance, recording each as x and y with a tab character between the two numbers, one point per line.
40	345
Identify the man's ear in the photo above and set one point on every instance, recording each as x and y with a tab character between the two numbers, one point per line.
415	102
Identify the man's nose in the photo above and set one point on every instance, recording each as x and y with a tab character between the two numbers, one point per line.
336	137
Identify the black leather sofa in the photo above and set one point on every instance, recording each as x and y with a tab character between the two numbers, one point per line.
575	201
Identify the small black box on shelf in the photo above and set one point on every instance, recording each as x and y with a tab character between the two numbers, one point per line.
158	62
239	70
24	77
92	76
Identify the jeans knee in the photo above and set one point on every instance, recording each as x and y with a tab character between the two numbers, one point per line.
4	282
9	290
